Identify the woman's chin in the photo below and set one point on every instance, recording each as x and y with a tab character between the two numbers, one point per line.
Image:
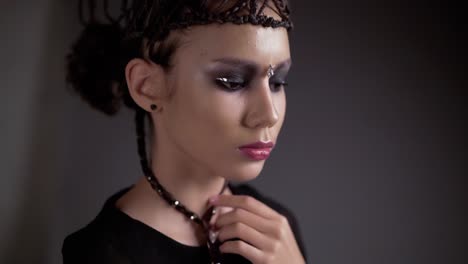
245	173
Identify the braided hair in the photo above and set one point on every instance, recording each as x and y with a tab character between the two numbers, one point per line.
96	63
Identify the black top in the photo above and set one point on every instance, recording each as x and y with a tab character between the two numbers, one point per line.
114	237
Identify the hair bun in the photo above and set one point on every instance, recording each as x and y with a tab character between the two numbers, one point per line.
93	66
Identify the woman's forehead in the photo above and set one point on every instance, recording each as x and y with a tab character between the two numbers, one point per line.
263	45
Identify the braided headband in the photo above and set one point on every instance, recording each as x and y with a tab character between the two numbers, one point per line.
155	19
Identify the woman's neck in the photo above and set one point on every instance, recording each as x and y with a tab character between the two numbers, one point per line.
188	184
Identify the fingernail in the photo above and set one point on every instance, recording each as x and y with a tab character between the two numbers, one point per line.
213	199
213	236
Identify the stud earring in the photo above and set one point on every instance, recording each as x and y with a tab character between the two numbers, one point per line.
154	107
270	72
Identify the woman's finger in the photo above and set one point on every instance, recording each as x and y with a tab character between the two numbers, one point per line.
245	233
239	215
242	248
245	202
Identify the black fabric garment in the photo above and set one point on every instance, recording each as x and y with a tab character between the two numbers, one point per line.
113	237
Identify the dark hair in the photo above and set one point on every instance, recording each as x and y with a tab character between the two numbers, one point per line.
96	63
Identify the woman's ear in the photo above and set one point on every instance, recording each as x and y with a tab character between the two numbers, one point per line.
145	81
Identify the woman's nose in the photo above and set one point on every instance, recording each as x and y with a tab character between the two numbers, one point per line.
261	108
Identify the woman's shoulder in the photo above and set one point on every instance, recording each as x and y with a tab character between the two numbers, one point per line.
96	242
91	245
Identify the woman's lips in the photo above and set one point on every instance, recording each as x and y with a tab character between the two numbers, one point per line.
258	150
256	153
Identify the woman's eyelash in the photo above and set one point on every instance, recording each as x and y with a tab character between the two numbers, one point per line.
230	85
277	86
234	85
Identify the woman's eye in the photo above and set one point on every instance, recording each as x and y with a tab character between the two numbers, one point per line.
277	86
230	85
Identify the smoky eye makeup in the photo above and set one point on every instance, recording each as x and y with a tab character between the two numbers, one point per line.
279	80
231	84
233	75
231	80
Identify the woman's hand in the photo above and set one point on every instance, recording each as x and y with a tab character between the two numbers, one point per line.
265	235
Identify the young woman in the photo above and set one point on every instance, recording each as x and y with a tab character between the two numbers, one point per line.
208	77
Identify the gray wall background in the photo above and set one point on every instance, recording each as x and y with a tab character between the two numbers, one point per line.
372	157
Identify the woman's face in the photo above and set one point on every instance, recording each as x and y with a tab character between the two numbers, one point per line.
224	96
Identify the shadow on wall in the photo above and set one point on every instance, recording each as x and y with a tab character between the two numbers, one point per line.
30	235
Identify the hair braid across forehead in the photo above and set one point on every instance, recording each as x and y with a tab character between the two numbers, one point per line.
153	18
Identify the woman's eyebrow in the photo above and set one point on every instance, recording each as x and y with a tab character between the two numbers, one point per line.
246	65
284	64
250	65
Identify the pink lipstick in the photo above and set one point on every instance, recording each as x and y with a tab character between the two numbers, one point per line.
258	150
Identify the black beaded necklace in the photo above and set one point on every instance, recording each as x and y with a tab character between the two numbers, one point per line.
212	242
